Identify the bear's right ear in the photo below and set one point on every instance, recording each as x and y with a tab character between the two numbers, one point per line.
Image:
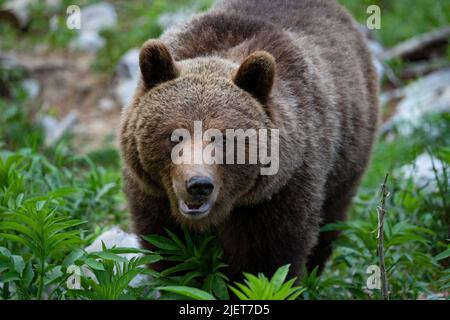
156	63
256	75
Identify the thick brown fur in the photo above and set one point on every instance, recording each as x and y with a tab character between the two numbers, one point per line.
298	66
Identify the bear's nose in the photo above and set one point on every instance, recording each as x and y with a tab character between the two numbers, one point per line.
200	187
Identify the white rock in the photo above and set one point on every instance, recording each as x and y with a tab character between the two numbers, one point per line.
53	23
94	18
128	66
125	90
423	172
32	87
128	74
116	237
430	94
55	129
106	104
9	62
98	16
89	41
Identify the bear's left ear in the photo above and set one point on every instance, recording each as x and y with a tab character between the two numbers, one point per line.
156	64
256	75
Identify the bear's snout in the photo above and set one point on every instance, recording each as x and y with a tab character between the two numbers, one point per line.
200	187
197	199
196	190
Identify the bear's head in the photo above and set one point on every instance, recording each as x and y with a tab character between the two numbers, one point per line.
174	101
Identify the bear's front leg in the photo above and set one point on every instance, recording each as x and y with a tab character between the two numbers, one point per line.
150	215
276	232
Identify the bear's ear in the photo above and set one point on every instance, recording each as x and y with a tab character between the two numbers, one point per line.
256	75
156	63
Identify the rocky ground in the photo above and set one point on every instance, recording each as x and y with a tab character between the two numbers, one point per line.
67	94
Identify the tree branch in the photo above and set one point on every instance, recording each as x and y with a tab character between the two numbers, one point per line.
417	44
381	211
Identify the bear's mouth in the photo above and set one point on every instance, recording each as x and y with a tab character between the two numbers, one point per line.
194	211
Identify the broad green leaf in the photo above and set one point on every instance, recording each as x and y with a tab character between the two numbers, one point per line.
72	257
190	292
279	277
94	264
239	294
442	255
161	242
10	276
220	288
18	263
175	239
108	256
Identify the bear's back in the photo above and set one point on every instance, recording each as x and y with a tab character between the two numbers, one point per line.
309	16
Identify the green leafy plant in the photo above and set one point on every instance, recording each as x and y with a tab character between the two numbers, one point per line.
255	288
444	281
36	225
261	288
319	287
198	262
108	274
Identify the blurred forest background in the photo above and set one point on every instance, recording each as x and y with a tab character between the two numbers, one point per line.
61	94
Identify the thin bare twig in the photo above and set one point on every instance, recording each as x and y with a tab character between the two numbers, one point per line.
391	76
381	211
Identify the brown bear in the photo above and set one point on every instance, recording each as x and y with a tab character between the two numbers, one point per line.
301	67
